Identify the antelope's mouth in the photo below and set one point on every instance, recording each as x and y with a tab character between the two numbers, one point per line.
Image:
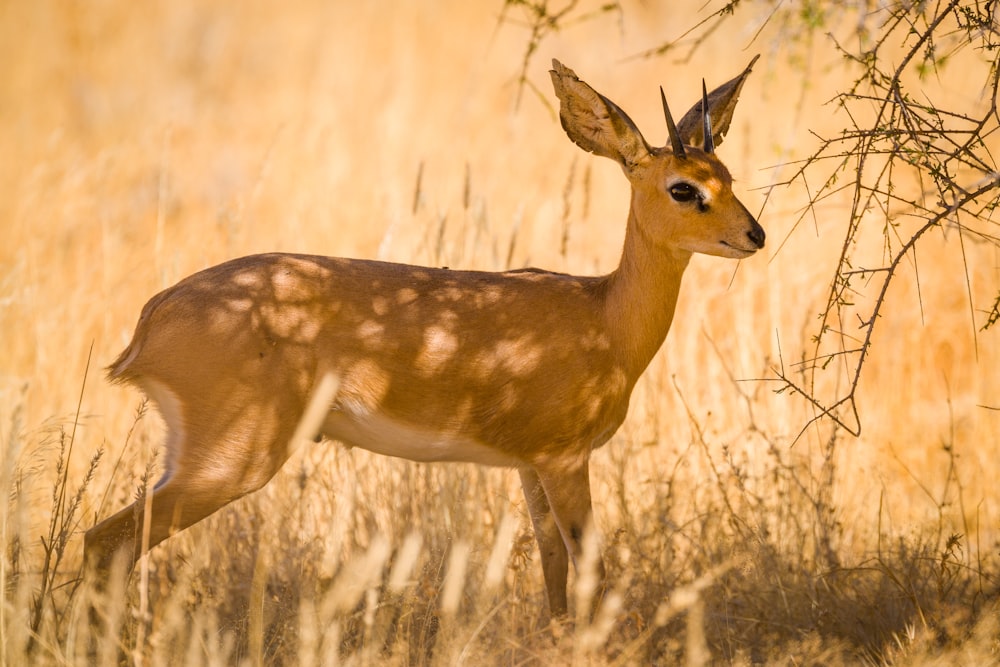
738	252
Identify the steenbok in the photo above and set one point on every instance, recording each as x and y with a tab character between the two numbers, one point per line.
527	369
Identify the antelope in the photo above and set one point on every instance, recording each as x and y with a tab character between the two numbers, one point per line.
526	368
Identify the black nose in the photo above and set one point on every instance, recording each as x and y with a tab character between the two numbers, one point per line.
756	234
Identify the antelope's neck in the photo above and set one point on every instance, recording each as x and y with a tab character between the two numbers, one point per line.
642	296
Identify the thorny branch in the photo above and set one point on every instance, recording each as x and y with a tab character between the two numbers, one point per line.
932	143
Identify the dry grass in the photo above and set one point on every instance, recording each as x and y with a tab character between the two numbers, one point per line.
144	141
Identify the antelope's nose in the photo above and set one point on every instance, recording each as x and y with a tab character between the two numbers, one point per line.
756	234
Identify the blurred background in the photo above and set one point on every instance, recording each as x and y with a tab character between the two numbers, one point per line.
144	141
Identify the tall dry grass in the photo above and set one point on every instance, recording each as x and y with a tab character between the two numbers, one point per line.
145	141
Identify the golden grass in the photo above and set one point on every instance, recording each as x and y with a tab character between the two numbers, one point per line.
144	141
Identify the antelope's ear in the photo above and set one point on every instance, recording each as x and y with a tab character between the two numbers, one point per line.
721	105
594	122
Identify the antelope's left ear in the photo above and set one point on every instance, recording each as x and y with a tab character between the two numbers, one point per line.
721	105
594	122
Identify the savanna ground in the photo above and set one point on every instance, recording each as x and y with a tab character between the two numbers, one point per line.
144	141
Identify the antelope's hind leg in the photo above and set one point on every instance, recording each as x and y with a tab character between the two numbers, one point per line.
210	463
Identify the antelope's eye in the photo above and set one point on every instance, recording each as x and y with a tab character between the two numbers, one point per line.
683	192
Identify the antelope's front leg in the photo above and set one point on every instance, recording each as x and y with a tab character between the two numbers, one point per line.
551	548
567	490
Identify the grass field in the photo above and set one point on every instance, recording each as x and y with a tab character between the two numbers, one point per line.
144	141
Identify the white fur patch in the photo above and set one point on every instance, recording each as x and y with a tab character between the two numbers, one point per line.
384	435
169	407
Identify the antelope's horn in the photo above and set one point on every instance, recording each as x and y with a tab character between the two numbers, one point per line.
709	143
675	139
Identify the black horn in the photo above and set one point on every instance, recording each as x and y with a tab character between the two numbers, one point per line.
675	139
709	143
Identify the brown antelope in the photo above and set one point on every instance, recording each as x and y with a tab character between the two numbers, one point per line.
528	369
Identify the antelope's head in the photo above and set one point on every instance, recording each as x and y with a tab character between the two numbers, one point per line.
682	194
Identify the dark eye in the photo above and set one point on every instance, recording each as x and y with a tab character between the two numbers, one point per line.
683	192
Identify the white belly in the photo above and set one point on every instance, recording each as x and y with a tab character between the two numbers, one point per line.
383	435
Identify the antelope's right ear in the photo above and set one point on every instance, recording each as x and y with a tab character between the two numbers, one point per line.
594	122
